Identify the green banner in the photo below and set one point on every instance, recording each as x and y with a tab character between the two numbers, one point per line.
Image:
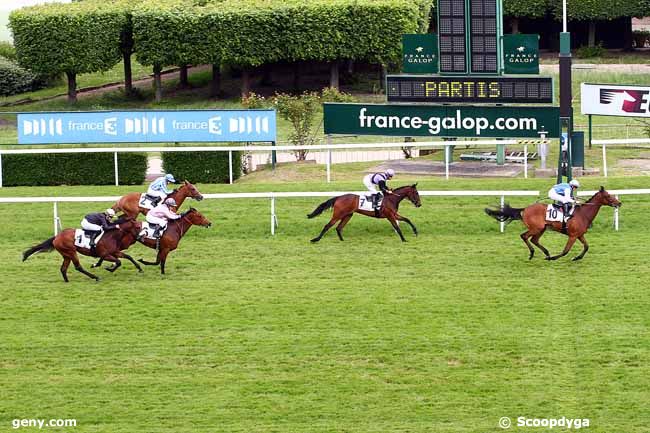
420	53
521	54
441	121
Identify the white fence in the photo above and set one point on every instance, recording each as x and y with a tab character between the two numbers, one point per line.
328	148
605	143
272	196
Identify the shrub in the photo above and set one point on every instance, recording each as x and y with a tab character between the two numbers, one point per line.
72	169
15	79
589	52
641	37
202	167
7	50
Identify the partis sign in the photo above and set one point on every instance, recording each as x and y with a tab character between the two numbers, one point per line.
615	100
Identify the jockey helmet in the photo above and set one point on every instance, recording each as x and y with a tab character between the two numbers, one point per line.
170	202
390	172
170	178
110	212
574	183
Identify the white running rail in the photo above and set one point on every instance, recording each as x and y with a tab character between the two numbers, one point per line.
604	143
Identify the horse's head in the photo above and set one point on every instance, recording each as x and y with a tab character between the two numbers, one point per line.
130	226
606	199
412	194
190	191
196	218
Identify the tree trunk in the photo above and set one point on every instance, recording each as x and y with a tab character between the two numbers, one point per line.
628	35
351	66
128	75
334	74
182	77
514	22
296	77
267	76
245	82
592	34
215	83
157	82
72	87
382	76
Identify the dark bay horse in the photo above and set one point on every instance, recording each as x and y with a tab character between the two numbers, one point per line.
109	247
534	218
129	204
176	229
346	205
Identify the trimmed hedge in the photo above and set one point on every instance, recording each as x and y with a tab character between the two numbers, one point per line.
15	79
201	167
72	169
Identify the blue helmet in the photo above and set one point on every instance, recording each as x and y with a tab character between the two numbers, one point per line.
170	178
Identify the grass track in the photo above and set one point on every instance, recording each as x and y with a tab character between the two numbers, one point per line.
249	333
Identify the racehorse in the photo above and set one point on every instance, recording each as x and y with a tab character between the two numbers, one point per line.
346	205
129	204
534	218
176	229
109	247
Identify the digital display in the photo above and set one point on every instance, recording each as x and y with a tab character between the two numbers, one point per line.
483	36
451	31
492	90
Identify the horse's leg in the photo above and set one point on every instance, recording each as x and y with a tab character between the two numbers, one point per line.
162	257
524	237
336	215
130	259
407	221
344	221
98	264
145	262
64	268
395	224
77	266
535	240
112	259
567	248
585	248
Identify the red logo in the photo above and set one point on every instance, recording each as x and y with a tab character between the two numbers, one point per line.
629	101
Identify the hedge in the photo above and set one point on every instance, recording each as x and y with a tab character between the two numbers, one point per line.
72	169
201	167
15	79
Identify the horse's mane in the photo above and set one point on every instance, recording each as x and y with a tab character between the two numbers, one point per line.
403	187
594	196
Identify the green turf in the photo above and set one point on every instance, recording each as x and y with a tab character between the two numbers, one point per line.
253	333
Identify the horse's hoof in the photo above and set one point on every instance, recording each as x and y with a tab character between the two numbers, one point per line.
140	271
93	266
530	257
96	278
313	241
575	259
549	258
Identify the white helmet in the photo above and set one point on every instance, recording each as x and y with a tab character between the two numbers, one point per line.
170	202
110	212
574	183
390	172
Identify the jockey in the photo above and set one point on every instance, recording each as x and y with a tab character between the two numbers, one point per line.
158	216
378	179
158	188
564	193
94	223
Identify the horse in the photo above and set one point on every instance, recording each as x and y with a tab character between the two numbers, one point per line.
109	247
168	242
346	205
534	218
129	204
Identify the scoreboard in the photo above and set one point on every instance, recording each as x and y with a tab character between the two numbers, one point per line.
489	90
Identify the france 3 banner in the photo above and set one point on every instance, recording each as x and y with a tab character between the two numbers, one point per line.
147	126
615	100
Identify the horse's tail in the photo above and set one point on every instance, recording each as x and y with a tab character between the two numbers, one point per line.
43	247
322	207
506	214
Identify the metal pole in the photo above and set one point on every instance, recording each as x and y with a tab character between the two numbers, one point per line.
329	165
272	216
274	157
230	165
117	173
564	16
616	216
604	161
0	169
56	219
526	160
590	129
447	161
502	223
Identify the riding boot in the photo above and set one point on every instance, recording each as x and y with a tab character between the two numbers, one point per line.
565	216
375	204
93	236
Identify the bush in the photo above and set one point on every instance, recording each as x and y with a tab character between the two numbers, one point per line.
590	52
15	79
202	167
7	50
641	37
72	169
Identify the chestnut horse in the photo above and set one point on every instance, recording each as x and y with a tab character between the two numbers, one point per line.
346	205
176	229
130	203
534	218
109	247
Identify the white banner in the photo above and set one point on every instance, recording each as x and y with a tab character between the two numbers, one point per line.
615	100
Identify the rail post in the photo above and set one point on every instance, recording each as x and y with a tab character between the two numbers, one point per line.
446	161
328	162
117	173
0	169
274	220
525	160
616	216
230	166
502	224
56	218
604	160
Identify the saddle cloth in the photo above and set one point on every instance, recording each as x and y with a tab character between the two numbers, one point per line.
148	230
146	201
82	240
555	214
365	203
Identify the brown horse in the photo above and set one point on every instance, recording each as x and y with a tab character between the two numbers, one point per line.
130	203
176	229
534	218
109	247
346	205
